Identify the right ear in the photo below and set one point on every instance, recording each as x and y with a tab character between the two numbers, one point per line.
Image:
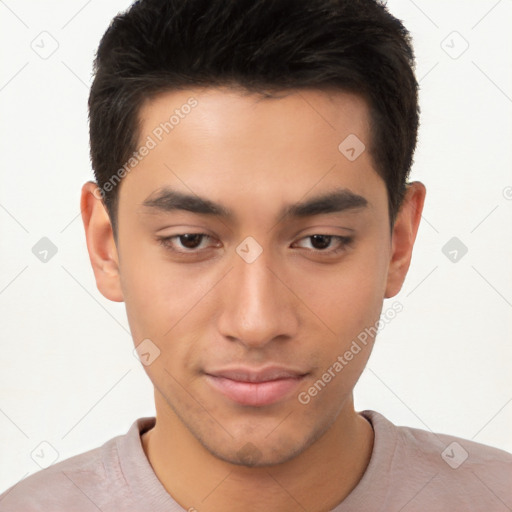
100	242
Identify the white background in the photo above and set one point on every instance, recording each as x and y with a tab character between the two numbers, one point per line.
68	374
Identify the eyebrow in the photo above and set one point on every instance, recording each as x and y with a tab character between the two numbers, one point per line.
339	200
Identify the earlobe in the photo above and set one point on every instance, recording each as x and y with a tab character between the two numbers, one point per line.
100	243
403	237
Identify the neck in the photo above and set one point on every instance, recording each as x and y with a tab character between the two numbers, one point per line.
316	480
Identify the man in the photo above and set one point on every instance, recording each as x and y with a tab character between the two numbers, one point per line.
251	208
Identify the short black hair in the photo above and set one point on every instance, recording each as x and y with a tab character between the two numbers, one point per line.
259	46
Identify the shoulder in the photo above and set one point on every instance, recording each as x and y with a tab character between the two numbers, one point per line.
445	469
449	452
80	483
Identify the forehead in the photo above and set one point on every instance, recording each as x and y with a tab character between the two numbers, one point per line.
236	112
220	142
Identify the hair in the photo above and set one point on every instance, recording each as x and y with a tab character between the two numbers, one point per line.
259	46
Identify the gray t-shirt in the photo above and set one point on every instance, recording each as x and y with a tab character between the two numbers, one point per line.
409	470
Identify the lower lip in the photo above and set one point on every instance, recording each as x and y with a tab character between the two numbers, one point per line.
255	394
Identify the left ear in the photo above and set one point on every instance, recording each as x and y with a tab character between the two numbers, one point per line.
404	235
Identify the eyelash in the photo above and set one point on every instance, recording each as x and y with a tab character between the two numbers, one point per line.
344	241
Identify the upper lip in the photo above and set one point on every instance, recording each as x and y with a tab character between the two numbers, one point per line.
257	375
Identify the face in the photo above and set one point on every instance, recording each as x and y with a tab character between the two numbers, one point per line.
252	252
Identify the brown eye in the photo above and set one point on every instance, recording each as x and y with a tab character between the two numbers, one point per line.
185	242
328	244
190	241
320	241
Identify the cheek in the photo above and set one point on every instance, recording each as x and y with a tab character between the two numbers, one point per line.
164	304
330	386
153	294
348	298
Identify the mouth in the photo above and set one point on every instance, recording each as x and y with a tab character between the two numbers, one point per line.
255	388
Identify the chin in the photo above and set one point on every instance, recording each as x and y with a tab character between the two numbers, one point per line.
250	456
267	450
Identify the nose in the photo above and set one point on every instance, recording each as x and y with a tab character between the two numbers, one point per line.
258	305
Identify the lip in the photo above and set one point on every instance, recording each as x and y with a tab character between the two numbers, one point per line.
255	388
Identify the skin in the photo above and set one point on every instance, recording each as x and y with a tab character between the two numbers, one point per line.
293	306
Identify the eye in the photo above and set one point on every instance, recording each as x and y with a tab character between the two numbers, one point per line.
323	243
186	242
193	243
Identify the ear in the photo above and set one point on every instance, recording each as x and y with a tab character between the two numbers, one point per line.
100	242
404	235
